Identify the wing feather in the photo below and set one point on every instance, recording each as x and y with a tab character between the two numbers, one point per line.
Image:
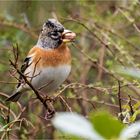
23	68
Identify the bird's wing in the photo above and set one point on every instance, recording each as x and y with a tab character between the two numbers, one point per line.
26	64
23	68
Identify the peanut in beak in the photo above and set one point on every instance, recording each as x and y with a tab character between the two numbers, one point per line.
68	36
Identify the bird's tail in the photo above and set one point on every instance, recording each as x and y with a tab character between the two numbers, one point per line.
14	97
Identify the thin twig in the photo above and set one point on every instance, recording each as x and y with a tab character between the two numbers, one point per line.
90	31
22	27
96	64
31	86
65	103
130	105
119	100
35	70
91	101
45	85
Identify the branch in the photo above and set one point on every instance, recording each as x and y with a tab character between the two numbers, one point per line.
22	27
92	33
30	85
119	99
130	105
95	64
50	112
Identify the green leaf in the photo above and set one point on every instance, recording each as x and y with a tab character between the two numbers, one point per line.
106	125
75	124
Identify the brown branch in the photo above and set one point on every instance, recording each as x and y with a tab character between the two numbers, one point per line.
92	33
65	103
22	27
12	74
130	105
45	85
11	124
6	108
95	64
35	70
101	63
83	93
90	86
130	19
7	121
102	42
35	91
50	112
111	31
91	102
119	100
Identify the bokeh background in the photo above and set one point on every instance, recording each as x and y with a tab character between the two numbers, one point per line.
105	63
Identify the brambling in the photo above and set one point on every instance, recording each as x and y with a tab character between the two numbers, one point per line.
48	63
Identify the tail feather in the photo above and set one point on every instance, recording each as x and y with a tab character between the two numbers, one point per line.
14	97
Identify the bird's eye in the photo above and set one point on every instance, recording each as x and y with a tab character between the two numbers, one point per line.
55	35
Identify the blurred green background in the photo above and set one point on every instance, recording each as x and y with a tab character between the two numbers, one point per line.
107	42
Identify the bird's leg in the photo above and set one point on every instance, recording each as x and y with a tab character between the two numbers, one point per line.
49	98
50	111
49	114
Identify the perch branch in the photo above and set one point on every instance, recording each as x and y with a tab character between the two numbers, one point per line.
31	86
50	112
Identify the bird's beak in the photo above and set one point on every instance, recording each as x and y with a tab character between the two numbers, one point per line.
68	36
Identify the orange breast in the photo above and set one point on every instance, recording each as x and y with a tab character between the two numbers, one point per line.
54	57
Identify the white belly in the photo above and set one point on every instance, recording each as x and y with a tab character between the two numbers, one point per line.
51	78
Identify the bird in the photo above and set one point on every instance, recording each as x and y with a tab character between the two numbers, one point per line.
48	63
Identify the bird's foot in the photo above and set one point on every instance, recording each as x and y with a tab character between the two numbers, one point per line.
49	114
49	99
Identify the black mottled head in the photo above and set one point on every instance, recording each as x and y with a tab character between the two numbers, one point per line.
51	34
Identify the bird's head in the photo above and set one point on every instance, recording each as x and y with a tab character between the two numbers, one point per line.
54	34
